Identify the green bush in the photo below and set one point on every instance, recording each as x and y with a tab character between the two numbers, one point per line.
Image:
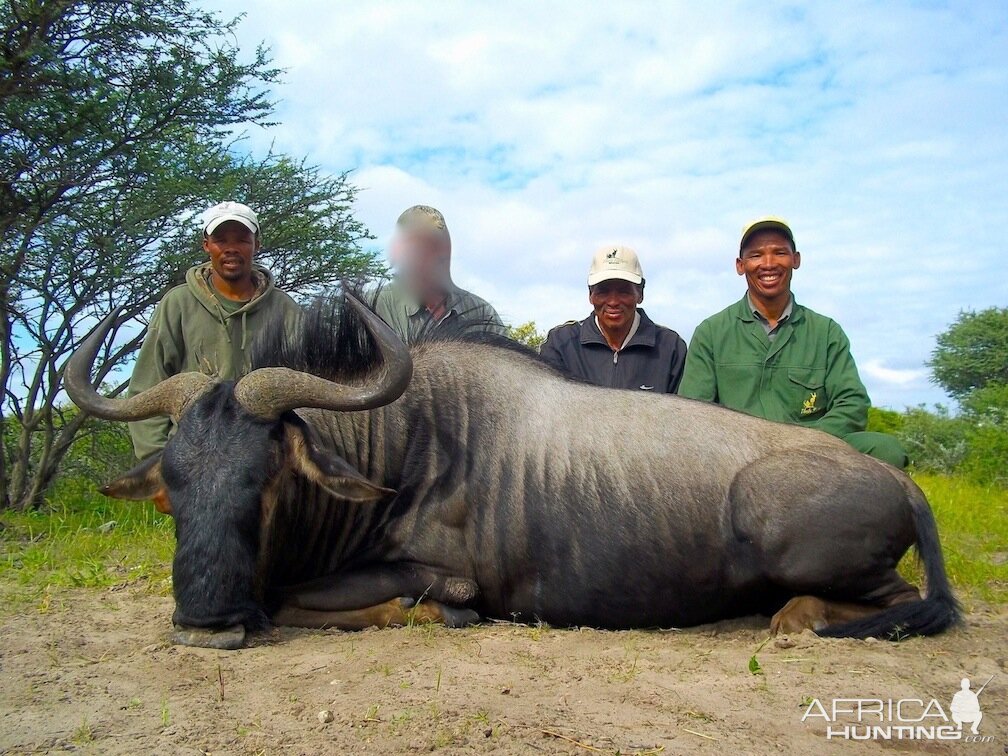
973	443
988	405
526	334
884	421
986	409
987	460
935	441
101	452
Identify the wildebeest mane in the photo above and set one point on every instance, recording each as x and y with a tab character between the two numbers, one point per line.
329	340
471	330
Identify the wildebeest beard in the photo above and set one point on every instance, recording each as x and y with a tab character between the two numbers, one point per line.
216	467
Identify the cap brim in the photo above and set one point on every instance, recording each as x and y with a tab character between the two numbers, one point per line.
212	225
608	275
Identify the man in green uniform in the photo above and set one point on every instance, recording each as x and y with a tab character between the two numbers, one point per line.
423	297
766	355
207	323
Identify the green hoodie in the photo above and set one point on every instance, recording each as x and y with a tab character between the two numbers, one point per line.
195	329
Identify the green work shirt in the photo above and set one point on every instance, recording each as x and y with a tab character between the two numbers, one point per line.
411	320
805	375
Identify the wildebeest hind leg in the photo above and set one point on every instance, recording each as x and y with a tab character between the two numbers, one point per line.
814	613
394	613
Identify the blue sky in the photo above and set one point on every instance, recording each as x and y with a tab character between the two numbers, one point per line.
543	130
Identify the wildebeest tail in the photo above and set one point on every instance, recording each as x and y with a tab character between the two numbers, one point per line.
936	612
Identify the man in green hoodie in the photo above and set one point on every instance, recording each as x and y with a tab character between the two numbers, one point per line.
206	324
766	355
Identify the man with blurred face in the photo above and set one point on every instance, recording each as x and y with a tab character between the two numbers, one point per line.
618	345
769	356
207	323
422	297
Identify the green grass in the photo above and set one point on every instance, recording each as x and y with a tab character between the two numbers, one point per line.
973	526
63	546
60	547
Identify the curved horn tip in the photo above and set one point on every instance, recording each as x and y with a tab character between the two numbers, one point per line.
165	398
77	372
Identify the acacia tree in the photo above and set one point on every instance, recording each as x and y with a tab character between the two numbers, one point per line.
972	352
117	123
526	334
970	361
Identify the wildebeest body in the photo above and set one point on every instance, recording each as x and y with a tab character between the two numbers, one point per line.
492	482
506	474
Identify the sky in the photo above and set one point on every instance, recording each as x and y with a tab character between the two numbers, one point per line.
545	130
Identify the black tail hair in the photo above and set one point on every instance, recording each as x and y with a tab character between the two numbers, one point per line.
936	612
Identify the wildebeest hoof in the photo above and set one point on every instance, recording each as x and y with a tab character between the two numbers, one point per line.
454	617
226	639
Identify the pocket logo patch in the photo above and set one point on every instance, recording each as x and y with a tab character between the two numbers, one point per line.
809	405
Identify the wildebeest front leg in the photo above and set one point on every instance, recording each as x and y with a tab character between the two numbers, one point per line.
377	584
394	613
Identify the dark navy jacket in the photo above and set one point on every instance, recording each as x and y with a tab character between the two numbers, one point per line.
652	361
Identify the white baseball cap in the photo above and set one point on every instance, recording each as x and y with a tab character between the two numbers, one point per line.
615	261
230	211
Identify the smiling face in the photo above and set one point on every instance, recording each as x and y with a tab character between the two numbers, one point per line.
615	302
231	247
767	261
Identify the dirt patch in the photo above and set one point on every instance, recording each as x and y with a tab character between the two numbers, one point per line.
96	674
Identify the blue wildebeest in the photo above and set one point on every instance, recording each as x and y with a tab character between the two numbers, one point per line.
347	476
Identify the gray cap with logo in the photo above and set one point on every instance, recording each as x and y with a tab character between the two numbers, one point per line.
422	218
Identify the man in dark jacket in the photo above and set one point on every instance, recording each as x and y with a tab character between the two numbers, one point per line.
618	345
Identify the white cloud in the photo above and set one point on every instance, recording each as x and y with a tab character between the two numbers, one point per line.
544	129
896	377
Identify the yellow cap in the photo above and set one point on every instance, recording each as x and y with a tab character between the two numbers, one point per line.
761	224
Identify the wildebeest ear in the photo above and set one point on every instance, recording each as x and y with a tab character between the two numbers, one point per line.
141	483
327	469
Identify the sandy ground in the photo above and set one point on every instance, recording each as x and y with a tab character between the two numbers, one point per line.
96	674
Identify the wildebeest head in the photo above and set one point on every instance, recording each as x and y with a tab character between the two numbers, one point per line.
233	441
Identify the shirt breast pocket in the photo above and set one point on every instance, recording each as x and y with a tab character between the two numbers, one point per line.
807	392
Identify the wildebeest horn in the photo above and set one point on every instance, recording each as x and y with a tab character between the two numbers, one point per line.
269	392
166	398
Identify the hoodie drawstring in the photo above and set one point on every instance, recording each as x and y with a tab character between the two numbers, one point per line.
222	318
